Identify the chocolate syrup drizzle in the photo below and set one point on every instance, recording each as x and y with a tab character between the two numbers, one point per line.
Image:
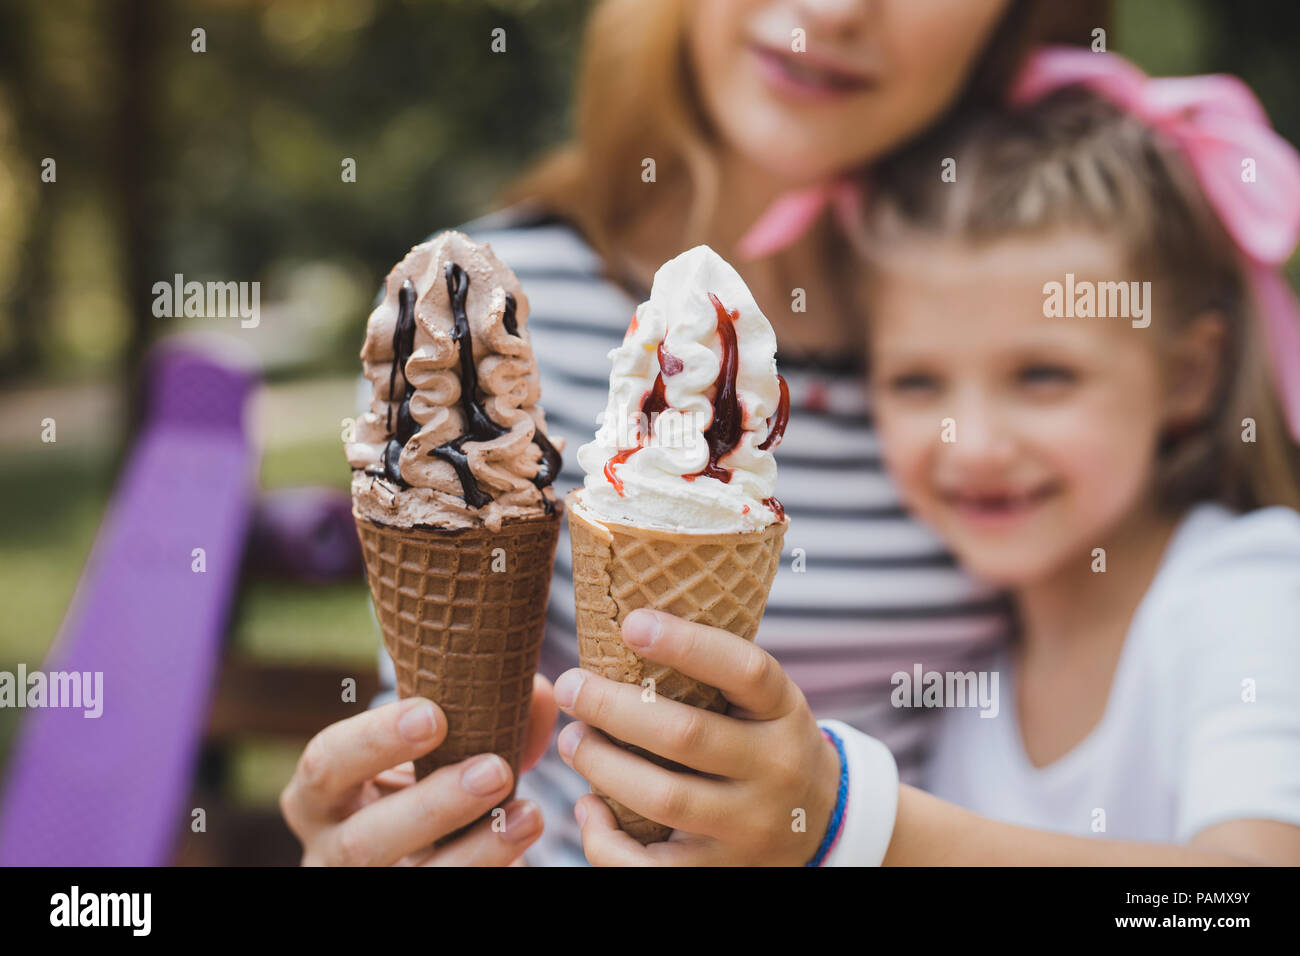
403	346
508	318
479	427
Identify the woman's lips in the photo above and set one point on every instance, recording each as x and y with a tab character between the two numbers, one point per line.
997	511
805	77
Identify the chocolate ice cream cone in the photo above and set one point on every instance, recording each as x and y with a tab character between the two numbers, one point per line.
463	613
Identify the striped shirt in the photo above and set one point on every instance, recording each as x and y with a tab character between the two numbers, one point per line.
863	591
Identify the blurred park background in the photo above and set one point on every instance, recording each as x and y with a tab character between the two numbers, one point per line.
226	165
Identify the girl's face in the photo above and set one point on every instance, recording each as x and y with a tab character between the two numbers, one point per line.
1022	440
861	78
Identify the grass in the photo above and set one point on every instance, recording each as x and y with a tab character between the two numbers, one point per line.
259	769
54	499
56	496
284	622
306	463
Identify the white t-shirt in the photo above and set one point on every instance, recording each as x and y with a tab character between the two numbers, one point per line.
1203	720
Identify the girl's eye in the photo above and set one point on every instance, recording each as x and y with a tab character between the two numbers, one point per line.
1045	375
913	383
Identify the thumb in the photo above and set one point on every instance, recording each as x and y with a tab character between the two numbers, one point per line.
541	722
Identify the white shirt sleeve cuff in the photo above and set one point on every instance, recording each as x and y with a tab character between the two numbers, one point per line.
872	803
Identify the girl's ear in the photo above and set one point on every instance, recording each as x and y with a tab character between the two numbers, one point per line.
1195	370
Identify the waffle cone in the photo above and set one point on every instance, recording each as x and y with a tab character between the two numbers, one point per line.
463	623
721	580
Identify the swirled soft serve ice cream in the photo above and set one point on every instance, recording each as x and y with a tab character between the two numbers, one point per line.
451	493
677	511
695	408
453	437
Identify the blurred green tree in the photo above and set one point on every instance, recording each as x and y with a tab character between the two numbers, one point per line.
227	163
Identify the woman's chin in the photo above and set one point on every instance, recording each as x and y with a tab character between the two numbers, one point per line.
788	150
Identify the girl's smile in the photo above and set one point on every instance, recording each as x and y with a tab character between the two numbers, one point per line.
996	509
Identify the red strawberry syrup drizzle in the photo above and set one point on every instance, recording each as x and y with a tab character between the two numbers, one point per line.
726	429
652	403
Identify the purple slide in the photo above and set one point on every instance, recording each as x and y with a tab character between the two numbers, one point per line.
149	614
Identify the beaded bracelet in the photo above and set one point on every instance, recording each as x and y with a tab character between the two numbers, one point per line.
841	804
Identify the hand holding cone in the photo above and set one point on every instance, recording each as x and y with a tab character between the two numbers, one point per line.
721	580
451	493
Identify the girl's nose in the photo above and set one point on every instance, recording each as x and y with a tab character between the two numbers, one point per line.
979	440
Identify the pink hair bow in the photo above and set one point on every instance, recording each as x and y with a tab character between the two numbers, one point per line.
1217	124
791	215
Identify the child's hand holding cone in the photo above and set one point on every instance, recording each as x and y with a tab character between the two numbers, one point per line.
767	777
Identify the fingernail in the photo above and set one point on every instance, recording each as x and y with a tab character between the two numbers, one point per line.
580	813
568	740
486	775
640	629
417	723
567	687
522	821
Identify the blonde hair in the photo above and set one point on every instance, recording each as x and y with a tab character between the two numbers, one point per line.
1075	161
636	98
